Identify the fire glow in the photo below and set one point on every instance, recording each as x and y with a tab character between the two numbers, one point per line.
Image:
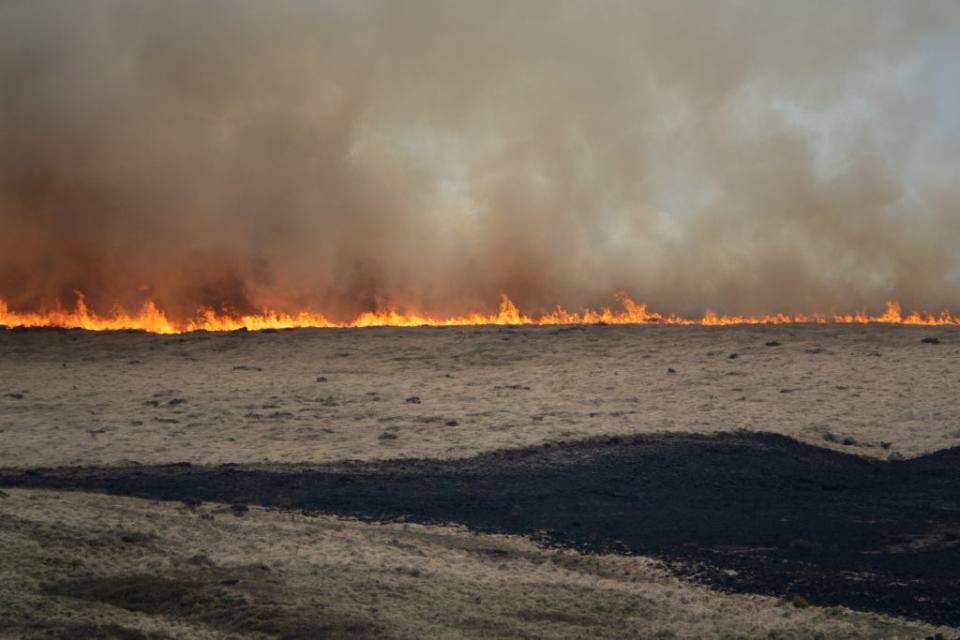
152	319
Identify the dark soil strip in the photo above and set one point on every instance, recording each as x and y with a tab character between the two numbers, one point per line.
742	512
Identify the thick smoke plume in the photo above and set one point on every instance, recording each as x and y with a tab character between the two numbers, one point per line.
349	155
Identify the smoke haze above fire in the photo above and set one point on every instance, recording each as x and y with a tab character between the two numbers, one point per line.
746	157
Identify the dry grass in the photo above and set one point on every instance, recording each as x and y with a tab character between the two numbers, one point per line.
80	398
89	566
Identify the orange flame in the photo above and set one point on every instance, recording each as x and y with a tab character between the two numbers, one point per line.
152	319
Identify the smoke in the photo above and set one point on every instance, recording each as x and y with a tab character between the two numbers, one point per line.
350	155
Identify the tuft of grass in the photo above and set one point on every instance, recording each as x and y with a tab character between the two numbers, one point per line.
230	600
149	594
90	631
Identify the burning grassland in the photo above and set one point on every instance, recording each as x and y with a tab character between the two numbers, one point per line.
152	319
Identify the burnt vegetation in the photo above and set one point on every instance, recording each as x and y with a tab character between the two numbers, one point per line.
743	512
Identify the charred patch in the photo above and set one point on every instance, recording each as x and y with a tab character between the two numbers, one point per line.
742	512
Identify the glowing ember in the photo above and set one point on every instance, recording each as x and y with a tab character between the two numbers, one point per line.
152	319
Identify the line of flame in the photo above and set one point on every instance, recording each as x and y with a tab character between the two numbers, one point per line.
152	319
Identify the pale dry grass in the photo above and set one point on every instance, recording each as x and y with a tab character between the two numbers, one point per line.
354	579
69	398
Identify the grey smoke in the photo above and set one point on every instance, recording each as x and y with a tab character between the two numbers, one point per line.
348	155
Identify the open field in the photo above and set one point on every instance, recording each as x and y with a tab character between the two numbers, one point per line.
73	398
409	493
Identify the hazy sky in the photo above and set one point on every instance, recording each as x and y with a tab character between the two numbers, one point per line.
342	156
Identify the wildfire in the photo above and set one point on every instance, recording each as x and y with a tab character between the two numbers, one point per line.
152	319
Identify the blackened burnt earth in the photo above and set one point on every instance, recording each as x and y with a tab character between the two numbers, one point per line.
743	512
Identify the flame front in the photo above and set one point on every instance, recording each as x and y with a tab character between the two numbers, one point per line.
152	319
